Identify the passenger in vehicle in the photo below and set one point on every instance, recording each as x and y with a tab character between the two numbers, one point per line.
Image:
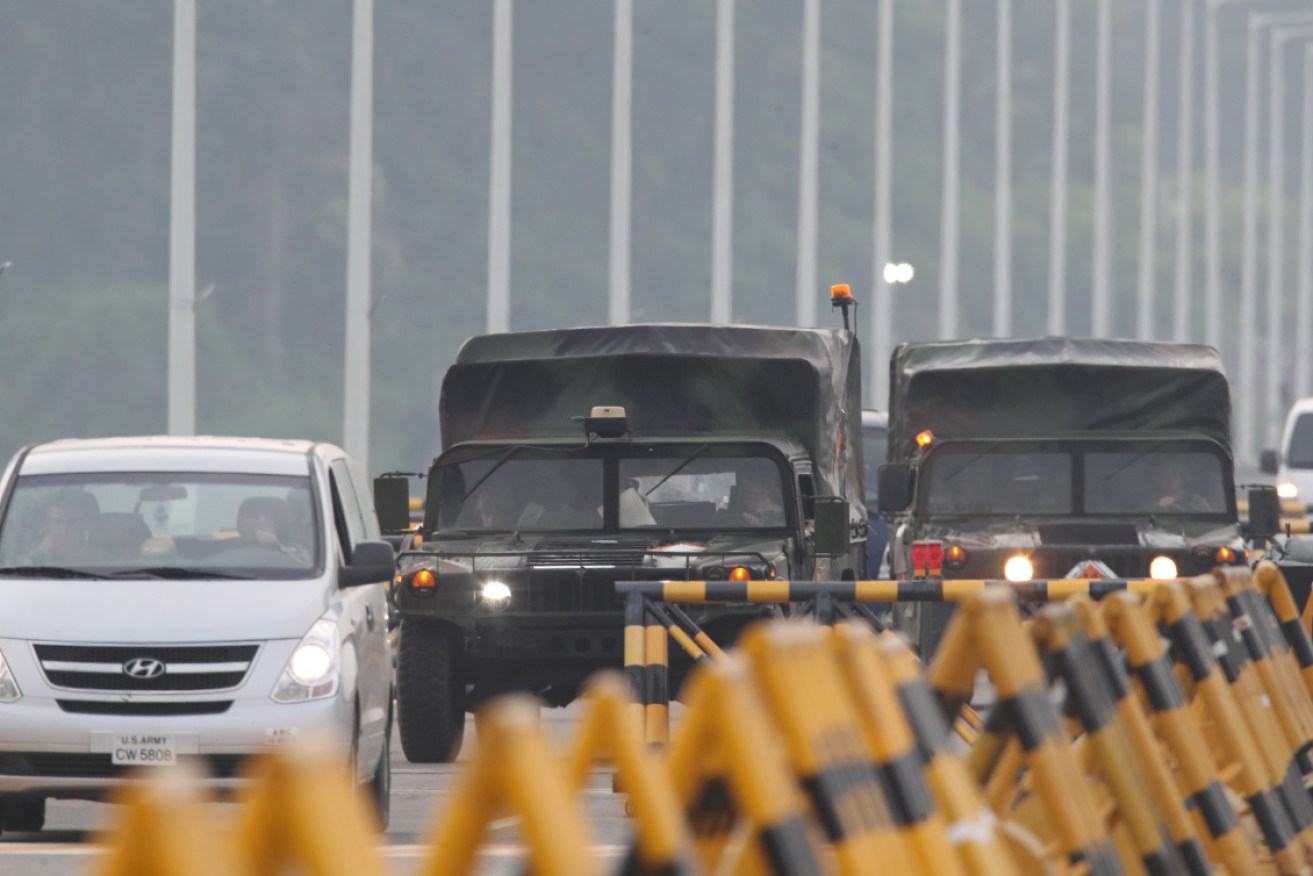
66	534
496	507
762	505
1177	494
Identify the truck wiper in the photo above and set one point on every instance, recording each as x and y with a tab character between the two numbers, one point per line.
1130	462
970	462
48	572
179	572
677	469
510	451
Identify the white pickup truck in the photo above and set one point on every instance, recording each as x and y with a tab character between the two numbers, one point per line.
174	600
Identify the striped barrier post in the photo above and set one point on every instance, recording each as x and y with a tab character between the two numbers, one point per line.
1139	734
730	776
656	682
677	633
636	655
1059	635
1172	609
1131	629
798	677
662	843
1289	645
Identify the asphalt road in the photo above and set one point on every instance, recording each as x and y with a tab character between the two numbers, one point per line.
68	845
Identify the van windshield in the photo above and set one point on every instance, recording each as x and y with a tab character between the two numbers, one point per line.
161	524
1300	452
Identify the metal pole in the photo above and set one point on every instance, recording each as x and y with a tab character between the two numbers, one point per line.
1100	315
1057	321
1248	390
948	292
1149	173
882	311
355	428
808	171
1275	235
621	157
499	188
1304	306
1003	175
182	225
722	233
1212	209
1184	160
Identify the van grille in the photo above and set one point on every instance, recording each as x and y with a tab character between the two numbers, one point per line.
185	668
110	707
99	766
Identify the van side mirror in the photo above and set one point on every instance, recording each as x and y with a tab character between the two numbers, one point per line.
897	480
1264	514
372	562
1268	461
831	537
392	503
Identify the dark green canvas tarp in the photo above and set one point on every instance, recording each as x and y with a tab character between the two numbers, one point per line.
1052	386
799	384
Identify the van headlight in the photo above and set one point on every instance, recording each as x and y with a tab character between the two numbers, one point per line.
9	691
1287	490
312	670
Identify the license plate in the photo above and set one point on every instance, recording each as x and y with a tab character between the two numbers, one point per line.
147	749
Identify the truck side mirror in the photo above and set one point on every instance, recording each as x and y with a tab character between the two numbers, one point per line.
1268	461
392	503
1264	514
897	481
831	537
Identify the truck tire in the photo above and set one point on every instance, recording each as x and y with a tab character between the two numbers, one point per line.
932	622
430	697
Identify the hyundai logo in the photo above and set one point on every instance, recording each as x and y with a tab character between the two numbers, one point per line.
143	667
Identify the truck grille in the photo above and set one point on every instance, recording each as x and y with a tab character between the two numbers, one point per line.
184	667
567	590
579	553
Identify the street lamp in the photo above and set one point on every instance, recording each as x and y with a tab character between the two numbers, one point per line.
948	219
355	408
1149	173
1057	318
182	225
898	273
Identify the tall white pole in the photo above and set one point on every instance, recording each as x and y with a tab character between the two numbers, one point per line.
1003	175
1144	316
1184	168
1248	390
808	171
499	187
722	231
883	310
621	158
1304	305
355	429
948	217
182	225
1057	321
1275	234
1212	209
1101	311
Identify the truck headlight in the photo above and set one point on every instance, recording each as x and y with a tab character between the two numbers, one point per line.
496	595
9	691
312	670
1162	569
1018	568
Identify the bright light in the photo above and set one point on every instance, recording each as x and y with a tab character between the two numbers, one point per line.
1018	569
900	272
1162	569
311	663
1287	491
496	594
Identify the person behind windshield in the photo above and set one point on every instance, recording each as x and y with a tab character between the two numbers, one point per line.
762	505
1177	494
66	532
495	507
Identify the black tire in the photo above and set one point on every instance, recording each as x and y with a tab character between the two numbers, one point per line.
23	814
932	622
430	696
380	786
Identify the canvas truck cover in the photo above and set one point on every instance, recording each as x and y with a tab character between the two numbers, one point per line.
673	380
1047	386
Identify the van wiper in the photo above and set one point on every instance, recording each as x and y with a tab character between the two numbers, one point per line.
180	573
48	572
677	469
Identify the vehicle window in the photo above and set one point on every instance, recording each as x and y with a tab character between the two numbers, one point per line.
874	441
1154	482
501	493
988	481
693	491
365	496
351	507
171	522
1300	452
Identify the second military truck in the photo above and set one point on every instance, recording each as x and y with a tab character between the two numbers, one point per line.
576	458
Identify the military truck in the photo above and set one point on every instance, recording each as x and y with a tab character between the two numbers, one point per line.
575	458
1056	457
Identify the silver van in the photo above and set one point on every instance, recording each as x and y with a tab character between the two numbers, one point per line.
168	600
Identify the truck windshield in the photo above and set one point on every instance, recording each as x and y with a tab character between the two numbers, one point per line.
1146	478
520	492
723	492
162	525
